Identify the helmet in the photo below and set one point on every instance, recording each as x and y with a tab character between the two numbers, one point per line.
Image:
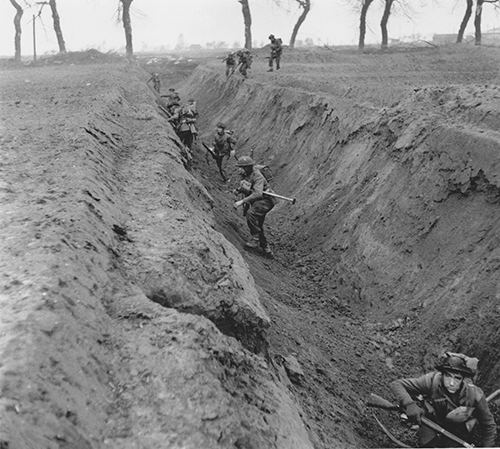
245	161
455	364
221	125
271	36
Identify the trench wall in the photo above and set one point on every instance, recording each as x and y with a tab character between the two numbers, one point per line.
402	202
127	320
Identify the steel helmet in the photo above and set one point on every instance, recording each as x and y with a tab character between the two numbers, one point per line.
271	36
454	364
245	161
221	125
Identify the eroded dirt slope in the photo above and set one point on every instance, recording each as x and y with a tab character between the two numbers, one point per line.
98	213
397	217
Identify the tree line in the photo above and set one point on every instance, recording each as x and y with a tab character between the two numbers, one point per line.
362	6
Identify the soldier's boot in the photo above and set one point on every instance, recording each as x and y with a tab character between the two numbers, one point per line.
270	69
253	243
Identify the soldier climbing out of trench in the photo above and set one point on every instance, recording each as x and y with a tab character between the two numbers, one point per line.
230	64
450	399
255	204
244	61
155	78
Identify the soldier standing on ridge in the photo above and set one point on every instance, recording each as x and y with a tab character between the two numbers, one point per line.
276	50
450	400
223	145
255	204
155	77
230	64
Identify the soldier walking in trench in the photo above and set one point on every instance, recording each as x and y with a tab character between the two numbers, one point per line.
223	146
255	204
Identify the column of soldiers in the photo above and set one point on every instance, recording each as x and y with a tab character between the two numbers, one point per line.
242	59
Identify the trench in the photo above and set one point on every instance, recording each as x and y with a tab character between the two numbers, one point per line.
149	329
367	283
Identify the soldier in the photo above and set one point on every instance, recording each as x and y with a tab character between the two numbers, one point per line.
244	61
155	77
276	50
184	119
223	145
255	204
448	389
230	64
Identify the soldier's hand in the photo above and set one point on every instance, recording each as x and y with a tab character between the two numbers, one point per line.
238	204
414	412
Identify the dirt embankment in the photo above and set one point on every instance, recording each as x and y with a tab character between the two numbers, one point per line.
127	320
398	203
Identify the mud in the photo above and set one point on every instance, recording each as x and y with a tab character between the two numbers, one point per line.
131	315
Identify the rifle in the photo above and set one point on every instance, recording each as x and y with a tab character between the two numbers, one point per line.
210	150
377	401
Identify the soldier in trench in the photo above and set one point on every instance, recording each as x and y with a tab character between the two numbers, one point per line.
223	145
155	78
255	204
450	399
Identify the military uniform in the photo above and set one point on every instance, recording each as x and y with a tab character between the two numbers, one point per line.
185	122
230	64
276	50
257	205
223	148
439	402
245	61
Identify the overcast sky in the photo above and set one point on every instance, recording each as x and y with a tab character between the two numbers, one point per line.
92	23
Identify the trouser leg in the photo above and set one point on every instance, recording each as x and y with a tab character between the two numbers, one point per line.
256	216
278	58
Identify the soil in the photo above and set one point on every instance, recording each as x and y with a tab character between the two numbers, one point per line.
132	316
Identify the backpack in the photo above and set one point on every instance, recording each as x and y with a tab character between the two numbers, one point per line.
266	171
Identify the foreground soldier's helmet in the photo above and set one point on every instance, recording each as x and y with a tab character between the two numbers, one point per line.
454	364
245	161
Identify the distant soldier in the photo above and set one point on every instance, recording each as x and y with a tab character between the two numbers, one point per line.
230	64
255	204
223	145
244	61
155	78
276	50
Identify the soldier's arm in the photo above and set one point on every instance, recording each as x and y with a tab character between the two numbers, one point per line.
406	389
258	189
486	422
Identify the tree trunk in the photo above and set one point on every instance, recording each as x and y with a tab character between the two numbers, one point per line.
477	21
127	26
362	23
465	21
57	26
306	6
17	26
383	23
247	19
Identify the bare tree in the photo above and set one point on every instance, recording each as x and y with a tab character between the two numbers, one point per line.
383	22
247	19
477	19
57	26
465	21
17	26
365	4
306	7
127	26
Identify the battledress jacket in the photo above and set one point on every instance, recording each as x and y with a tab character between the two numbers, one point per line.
430	386
258	184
